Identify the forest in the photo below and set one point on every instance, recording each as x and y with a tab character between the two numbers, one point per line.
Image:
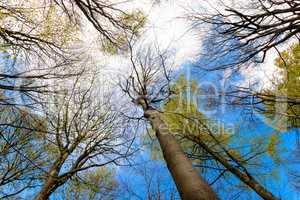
149	99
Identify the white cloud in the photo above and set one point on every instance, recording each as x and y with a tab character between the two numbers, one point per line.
165	28
265	74
170	31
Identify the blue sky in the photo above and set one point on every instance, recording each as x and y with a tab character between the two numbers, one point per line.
278	175
170	33
157	168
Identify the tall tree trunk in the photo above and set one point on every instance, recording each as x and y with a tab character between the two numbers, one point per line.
189	184
46	191
49	186
243	176
52	181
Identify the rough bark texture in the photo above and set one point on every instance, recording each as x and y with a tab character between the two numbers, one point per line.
189	184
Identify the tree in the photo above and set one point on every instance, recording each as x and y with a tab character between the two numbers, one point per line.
105	16
250	30
35	55
154	182
82	133
31	52
147	87
36	62
36	24
20	158
99	183
209	144
280	103
286	90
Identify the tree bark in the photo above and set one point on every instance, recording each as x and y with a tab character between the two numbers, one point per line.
46	191
48	187
243	176
53	181
189	184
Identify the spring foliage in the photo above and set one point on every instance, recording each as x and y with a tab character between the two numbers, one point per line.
282	102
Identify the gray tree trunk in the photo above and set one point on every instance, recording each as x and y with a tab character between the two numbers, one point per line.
244	177
188	182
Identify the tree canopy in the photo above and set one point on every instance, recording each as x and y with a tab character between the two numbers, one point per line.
94	103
